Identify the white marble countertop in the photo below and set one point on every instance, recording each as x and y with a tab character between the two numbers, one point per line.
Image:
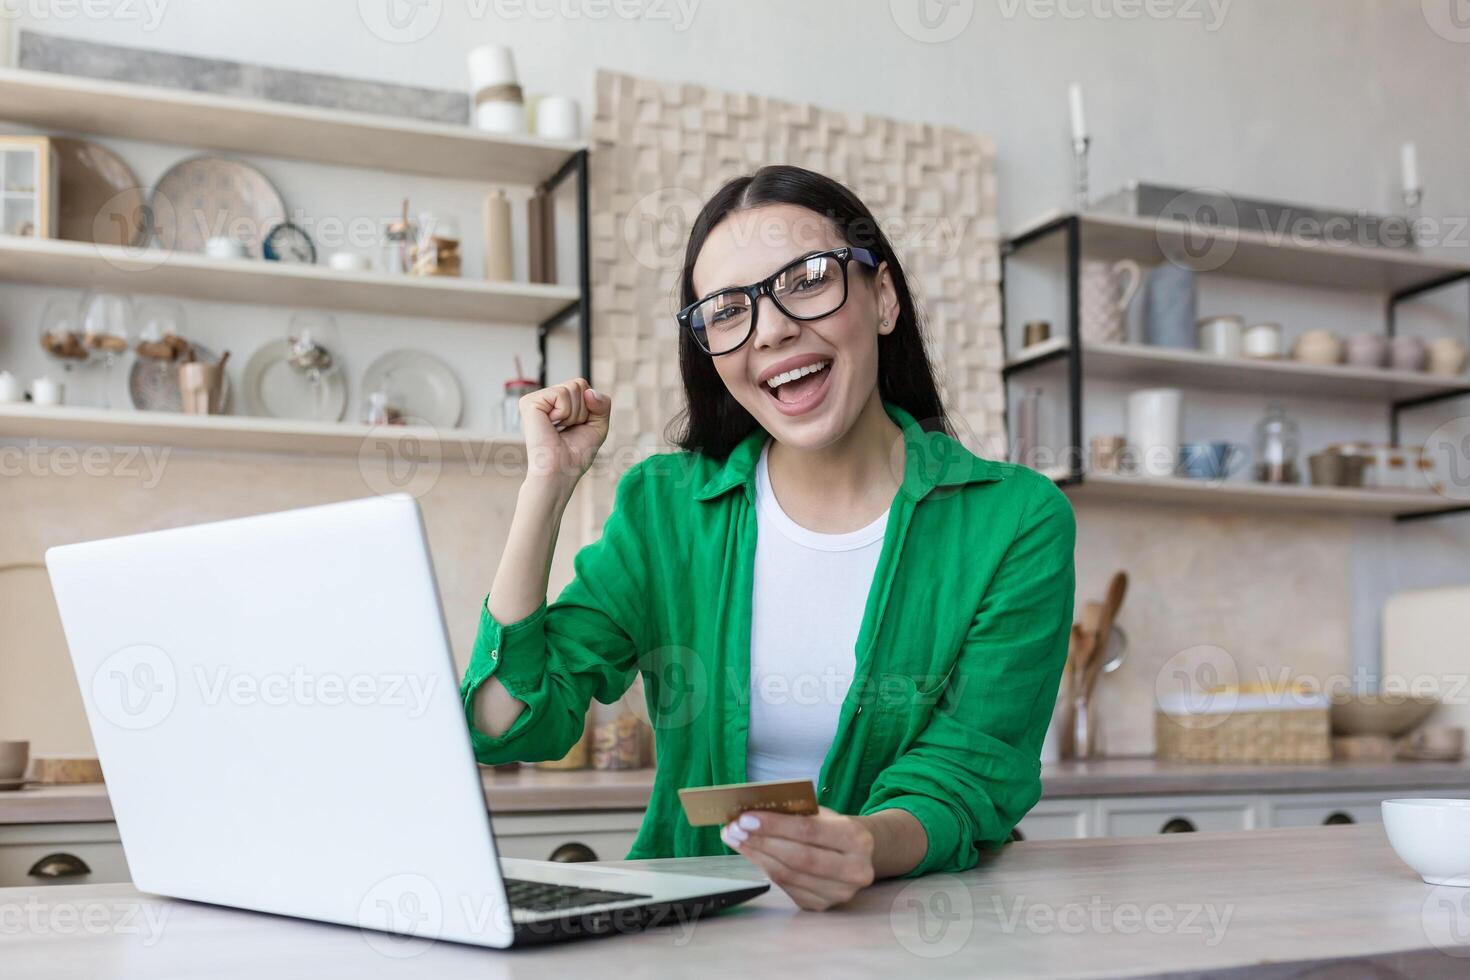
1259	903
529	790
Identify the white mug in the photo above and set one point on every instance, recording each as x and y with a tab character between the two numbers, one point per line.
558	118
1220	335
45	391
1262	340
10	391
225	248
1153	430
349	262
1106	290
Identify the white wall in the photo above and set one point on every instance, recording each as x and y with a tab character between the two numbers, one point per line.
1304	100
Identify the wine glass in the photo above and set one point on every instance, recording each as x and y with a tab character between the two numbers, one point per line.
107	325
311	342
61	332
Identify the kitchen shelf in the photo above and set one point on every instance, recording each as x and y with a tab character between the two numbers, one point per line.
110	427
1146	365
86	266
52	101
1255	255
1242	495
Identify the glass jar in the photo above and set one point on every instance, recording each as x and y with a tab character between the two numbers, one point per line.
1278	446
510	404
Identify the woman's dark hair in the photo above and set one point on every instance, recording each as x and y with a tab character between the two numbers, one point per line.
713	422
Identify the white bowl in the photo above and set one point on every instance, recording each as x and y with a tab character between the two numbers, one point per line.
1432	837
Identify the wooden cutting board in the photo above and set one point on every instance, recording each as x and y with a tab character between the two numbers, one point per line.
1426	634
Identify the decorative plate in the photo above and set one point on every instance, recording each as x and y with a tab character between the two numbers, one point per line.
421	388
99	199
274	389
212	197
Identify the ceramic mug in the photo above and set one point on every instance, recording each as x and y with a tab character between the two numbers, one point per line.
1318	347
1447	357
1153	430
225	248
46	391
1107	289
558	118
1367	350
1407	354
1262	341
10	390
14	758
1210	460
1220	335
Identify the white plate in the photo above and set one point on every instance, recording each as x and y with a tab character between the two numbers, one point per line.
420	386
274	389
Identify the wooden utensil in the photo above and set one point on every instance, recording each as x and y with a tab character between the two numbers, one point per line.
1117	591
1079	649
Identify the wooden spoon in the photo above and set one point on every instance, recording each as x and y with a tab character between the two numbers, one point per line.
1117	590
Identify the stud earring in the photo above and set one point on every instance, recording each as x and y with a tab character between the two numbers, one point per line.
883	322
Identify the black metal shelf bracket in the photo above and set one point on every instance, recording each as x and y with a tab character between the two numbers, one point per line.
1075	474
575	165
1071	227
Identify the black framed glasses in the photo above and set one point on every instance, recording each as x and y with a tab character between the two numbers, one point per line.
810	288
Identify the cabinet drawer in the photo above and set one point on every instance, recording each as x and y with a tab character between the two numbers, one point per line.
1053	821
91	848
1161	817
608	835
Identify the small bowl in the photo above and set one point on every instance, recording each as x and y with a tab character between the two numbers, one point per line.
1378	714
1432	837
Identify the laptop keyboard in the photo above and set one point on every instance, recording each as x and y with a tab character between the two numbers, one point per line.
540	896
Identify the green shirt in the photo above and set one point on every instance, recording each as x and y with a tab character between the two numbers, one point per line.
957	660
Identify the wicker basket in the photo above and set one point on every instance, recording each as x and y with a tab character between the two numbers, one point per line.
1247	729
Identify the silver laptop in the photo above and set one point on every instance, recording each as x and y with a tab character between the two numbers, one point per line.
277	713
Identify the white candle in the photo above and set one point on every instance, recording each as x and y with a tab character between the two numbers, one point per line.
1079	121
1409	157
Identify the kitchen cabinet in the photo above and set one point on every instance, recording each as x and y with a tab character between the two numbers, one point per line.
594	836
1166	815
1313	809
1057	820
61	854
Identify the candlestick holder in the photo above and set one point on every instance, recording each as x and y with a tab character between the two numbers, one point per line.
1080	148
1413	199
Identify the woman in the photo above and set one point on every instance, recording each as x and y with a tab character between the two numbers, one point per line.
823	583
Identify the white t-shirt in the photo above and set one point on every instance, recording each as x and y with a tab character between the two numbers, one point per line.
810	593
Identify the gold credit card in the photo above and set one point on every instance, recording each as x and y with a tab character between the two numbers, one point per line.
709	805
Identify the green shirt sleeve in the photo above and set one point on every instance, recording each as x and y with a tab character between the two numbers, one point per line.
582	646
974	770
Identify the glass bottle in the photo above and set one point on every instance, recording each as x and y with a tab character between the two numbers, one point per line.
1278	445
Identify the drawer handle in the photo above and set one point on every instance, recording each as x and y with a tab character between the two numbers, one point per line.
1338	817
1016	835
1178	825
573	852
59	866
